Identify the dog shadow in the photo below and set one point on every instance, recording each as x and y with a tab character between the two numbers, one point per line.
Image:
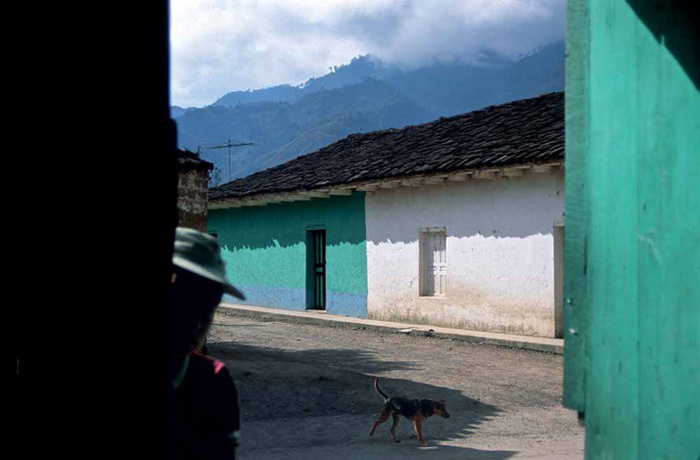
330	392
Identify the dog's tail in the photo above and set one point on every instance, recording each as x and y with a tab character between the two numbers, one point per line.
376	387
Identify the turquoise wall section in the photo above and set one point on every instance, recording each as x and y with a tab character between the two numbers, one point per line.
265	250
632	249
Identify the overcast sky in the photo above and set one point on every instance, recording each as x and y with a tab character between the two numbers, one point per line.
219	46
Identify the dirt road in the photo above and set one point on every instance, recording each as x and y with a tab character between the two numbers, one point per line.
306	392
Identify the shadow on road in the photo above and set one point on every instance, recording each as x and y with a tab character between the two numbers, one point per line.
318	398
247	326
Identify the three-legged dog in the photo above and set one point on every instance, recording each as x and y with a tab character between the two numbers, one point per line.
416	410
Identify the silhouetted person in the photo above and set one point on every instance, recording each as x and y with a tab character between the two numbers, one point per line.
205	414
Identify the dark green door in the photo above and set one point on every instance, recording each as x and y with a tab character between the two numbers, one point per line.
318	238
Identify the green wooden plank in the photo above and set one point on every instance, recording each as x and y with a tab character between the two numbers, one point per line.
612	392
668	239
576	199
633	229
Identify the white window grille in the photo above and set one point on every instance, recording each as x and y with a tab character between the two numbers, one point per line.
433	262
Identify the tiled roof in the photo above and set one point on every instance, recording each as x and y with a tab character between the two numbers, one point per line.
190	160
529	131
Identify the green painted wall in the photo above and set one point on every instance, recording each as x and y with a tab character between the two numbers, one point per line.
265	250
632	248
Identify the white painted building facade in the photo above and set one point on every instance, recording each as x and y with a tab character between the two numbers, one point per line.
477	254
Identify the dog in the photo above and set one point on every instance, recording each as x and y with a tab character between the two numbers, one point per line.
416	410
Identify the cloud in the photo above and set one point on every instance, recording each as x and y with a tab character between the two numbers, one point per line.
219	46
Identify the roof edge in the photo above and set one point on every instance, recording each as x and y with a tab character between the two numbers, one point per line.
346	189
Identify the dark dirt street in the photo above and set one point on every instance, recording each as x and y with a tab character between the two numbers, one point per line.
306	392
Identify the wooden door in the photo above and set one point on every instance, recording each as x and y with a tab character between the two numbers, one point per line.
434	264
318	238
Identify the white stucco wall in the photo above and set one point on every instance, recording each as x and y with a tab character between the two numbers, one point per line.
500	253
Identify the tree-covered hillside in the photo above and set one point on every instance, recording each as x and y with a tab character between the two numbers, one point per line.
365	95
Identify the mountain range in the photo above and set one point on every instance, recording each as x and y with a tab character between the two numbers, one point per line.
367	94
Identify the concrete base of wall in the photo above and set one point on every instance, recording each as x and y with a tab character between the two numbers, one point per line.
338	303
271	296
519	320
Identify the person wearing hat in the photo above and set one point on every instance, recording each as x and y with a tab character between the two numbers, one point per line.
205	411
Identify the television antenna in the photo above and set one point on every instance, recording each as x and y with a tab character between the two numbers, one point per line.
229	145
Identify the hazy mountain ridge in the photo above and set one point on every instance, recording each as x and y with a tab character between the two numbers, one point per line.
365	95
281	93
280	131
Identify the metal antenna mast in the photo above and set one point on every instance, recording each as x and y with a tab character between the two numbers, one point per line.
228	145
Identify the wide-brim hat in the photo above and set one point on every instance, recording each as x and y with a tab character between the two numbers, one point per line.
199	253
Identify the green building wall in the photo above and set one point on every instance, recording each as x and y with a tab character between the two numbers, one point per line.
265	250
632	244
